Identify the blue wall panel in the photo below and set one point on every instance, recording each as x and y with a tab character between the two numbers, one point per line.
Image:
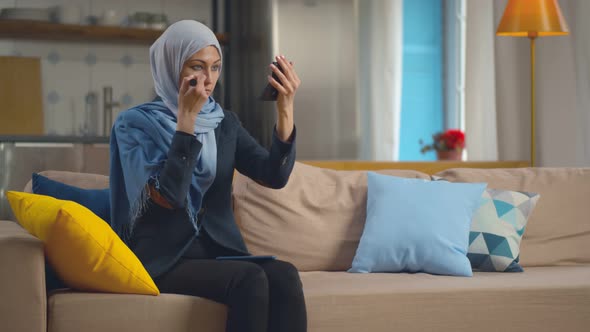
422	90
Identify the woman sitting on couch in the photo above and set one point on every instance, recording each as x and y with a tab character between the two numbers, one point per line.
172	164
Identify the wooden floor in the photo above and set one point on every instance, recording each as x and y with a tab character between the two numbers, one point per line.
429	167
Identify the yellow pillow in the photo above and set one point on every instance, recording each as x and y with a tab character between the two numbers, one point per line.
82	248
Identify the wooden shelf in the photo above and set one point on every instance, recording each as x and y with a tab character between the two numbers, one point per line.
21	29
428	167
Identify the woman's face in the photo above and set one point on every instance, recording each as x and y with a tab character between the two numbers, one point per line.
207	63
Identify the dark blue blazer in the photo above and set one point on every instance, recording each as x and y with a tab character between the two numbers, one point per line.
162	235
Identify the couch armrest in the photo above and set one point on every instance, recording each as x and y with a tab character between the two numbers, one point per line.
23	301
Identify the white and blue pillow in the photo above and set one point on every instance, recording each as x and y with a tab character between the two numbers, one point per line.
415	225
497	229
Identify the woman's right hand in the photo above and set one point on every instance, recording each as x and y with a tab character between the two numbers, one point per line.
191	100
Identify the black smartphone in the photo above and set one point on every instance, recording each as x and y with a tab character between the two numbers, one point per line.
270	93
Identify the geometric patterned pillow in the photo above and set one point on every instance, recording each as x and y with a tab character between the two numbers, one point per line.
496	230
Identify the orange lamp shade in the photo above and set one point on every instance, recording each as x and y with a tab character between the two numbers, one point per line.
532	18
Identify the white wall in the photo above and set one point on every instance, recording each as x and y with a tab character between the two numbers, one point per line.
320	37
580	29
560	137
71	70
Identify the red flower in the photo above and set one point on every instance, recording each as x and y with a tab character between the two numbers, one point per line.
451	139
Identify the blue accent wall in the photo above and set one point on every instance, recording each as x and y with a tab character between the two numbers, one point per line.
422	80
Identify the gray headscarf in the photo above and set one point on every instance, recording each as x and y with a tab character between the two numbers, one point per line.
169	53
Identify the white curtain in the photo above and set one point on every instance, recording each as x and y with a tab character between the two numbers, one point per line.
380	77
480	82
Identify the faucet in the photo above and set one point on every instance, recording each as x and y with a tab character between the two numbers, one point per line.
107	109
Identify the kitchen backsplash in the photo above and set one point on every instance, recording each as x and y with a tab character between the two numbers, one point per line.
72	70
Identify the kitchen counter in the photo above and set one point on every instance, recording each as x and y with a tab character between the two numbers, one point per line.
54	139
22	155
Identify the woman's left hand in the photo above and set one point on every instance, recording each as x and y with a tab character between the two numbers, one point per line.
287	87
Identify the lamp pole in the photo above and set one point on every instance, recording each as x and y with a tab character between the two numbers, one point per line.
532	36
532	19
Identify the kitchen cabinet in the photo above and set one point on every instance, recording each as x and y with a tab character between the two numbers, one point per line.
20	92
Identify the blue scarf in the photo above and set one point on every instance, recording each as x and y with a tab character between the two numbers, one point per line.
140	140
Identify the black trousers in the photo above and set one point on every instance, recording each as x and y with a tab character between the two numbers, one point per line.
262	296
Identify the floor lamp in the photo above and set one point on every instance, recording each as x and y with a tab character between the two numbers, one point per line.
532	19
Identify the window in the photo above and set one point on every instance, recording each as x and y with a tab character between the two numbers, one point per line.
422	76
432	71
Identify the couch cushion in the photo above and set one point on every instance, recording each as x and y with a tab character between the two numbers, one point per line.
315	222
558	231
539	299
90	312
81	180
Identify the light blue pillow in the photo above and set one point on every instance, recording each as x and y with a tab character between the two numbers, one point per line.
417	225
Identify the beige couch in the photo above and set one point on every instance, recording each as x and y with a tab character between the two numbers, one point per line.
316	222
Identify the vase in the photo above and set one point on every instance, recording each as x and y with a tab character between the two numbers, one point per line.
449	155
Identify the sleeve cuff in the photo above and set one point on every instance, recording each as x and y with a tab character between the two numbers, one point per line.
184	145
283	146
